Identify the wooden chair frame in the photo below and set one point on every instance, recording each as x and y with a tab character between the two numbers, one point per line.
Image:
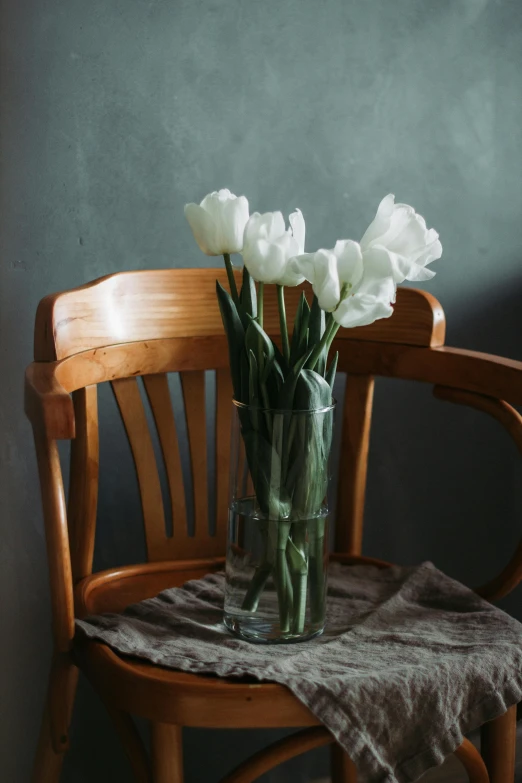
154	322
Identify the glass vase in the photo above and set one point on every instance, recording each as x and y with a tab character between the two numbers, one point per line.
277	547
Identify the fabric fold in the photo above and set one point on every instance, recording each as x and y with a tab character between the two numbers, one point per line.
410	661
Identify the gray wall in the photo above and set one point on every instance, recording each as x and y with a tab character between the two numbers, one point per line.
116	112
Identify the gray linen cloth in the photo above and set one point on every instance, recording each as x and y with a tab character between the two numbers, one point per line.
410	660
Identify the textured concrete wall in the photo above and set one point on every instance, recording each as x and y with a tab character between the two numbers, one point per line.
116	112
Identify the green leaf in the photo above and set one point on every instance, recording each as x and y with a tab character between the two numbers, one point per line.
316	327
299	342
265	468
245	378
274	383
280	359
257	340
312	391
330	375
248	296
307	479
235	336
286	396
253	390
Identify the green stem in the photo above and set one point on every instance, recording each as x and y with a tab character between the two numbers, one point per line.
284	591
316	570
323	342
299	572
256	587
260	303
333	331
282	322
231	278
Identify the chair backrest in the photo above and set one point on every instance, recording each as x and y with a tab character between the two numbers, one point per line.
150	323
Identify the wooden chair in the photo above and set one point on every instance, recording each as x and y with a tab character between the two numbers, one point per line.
148	324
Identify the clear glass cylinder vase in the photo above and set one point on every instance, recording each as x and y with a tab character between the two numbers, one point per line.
277	548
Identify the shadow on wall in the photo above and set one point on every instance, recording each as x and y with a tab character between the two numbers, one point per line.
444	480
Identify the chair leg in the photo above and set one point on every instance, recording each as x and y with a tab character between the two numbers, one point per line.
132	744
167	753
498	746
342	767
54	731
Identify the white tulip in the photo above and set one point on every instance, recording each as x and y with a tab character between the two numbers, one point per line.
331	271
372	297
403	234
218	223
357	289
269	246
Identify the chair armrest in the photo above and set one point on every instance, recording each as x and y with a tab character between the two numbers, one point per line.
47	405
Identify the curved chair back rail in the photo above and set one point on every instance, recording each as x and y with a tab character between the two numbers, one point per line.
144	325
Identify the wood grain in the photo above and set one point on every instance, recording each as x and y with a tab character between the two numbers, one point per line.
223	432
355	439
57	539
156	304
483	373
170	696
83	482
193	385
115	589
133	414
158	393
167	753
53	739
498	745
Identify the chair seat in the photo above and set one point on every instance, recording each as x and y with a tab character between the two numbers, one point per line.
167	695
171	696
188	699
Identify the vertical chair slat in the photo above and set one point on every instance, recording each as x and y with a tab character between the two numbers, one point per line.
193	385
158	392
353	463
132	412
83	481
224	396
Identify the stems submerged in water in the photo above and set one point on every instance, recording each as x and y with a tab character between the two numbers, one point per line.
297	571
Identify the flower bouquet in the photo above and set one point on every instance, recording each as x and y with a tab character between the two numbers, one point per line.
277	551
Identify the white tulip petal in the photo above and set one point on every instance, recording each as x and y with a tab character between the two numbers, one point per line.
377	263
234	219
361	310
372	300
433	250
204	229
274	225
298	227
251	232
404	236
304	265
263	260
349	261
212	204
381	222
291	277
326	283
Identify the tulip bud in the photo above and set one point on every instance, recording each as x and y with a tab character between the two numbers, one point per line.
269	246
218	223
